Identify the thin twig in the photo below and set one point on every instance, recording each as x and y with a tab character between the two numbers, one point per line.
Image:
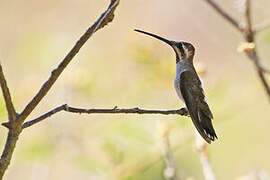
248	29
105	18
114	110
248	33
252	54
170	172
225	15
201	147
9	105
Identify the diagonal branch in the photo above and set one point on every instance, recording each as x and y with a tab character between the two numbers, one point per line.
252	54
104	19
248	32
115	110
225	15
14	126
9	105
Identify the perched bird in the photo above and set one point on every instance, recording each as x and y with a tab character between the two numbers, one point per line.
189	87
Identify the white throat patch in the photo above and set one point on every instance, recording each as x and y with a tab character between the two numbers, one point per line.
187	52
177	51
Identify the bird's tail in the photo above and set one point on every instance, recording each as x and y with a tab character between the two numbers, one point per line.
206	128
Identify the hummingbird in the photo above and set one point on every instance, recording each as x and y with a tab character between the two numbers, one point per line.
188	87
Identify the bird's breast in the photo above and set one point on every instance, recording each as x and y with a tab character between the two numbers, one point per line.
177	86
177	83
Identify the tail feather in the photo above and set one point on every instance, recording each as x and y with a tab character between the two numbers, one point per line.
207	126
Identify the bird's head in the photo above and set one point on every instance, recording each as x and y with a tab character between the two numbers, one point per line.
184	51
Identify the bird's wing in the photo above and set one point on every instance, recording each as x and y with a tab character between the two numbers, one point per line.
197	106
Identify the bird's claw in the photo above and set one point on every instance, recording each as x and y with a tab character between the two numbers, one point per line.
185	111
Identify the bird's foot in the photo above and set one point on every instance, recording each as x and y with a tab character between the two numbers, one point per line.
184	111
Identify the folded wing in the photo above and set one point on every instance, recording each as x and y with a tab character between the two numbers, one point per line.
197	106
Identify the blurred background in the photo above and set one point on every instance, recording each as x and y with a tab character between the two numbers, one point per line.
120	67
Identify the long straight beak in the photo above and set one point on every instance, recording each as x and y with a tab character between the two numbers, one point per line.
156	36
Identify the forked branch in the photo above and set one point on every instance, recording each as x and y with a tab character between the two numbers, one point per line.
15	122
104	19
115	110
9	105
248	33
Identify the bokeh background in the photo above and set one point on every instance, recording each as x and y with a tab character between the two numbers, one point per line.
120	67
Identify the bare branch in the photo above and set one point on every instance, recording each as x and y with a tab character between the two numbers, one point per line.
44	116
9	105
170	172
16	125
248	33
248	29
12	138
225	15
201	146
252	54
105	18
115	110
